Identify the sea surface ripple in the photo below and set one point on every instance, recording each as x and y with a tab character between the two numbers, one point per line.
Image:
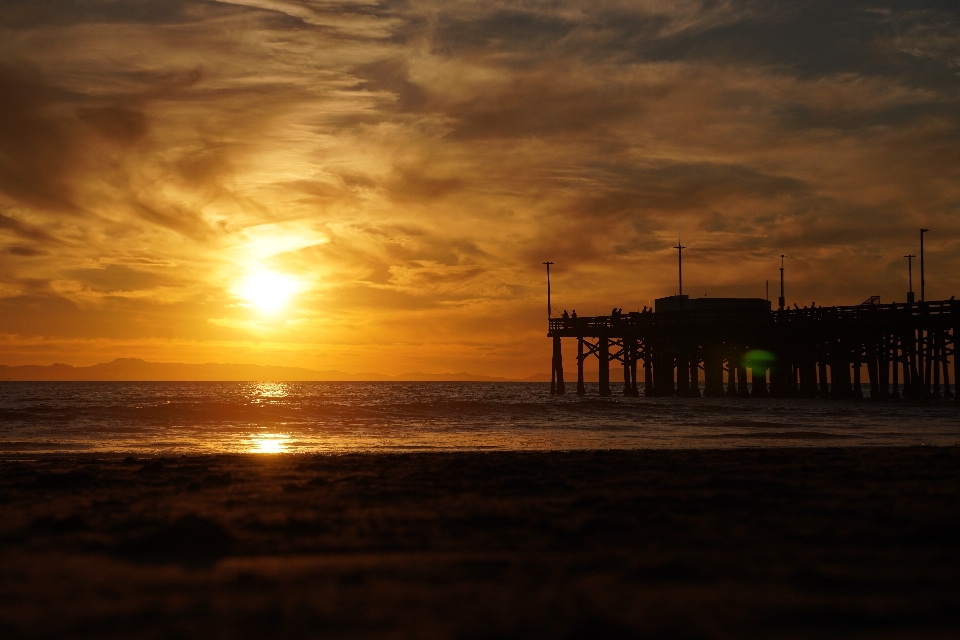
293	417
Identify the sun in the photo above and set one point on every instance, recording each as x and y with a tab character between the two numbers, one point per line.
268	291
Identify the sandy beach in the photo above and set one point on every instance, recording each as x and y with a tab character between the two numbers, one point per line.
858	542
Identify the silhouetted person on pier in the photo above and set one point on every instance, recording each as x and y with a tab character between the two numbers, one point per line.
565	315
574	314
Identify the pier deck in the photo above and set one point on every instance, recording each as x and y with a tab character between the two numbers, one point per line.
903	348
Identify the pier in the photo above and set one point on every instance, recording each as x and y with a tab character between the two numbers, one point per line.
741	347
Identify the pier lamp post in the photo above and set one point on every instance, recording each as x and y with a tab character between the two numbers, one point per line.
680	249
549	307
556	366
923	282
910	275
782	301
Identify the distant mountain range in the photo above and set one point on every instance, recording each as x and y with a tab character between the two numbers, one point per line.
136	369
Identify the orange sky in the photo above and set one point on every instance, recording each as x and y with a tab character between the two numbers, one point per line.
391	175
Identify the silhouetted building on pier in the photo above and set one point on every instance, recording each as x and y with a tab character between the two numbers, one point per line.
808	352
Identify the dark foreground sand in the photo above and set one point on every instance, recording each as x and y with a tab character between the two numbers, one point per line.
765	543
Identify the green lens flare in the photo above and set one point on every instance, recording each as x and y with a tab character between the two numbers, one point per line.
758	359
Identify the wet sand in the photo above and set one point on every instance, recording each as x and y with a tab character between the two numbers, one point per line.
755	543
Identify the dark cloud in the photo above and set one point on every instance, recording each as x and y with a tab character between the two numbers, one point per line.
37	147
812	38
499	29
24	251
392	75
114	278
413	184
25	14
55	143
124	125
25	231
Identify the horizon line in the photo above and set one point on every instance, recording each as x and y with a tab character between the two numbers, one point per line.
137	369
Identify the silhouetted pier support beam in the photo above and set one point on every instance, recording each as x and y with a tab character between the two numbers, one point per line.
662	374
857	390
625	361
947	392
888	365
648	389
783	374
935	351
683	376
694	391
835	373
873	371
743	390
902	365
603	353
712	375
840	380
808	379
630	367
759	378
894	368
556	377
581	390
884	365
824	391
955	315
912	370
778	379
731	378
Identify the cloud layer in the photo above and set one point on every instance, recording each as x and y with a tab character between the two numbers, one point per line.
413	163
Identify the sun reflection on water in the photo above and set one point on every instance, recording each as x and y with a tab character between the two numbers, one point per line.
269	443
271	389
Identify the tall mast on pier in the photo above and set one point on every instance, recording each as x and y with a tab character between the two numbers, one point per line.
680	249
549	307
910	275
782	300
923	282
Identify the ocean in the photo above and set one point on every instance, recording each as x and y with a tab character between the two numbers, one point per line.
160	418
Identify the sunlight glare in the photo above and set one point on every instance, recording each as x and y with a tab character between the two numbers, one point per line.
268	291
269	443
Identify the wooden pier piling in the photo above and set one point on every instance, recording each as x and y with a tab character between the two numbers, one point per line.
604	355
581	389
557	386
